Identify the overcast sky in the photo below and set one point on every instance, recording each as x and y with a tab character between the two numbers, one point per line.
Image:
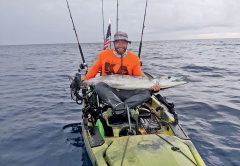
48	21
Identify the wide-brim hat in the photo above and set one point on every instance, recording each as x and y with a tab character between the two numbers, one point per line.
121	36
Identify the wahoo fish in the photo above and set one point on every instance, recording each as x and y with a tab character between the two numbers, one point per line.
134	82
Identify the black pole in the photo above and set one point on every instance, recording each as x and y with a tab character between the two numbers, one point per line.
140	45
79	46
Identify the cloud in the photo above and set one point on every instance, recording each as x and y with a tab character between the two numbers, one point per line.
187	17
48	21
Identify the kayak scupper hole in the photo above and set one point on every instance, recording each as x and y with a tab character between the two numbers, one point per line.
174	148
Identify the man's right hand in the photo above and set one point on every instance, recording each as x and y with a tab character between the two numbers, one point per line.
155	88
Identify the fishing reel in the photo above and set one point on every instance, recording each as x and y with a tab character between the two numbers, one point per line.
76	83
83	66
75	88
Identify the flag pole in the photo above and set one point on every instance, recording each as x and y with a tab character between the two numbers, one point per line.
110	36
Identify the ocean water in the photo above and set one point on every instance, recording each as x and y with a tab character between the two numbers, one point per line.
35	100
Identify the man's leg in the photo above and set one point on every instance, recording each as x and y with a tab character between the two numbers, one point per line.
106	93
134	97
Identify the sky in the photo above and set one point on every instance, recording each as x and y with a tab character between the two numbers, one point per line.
48	21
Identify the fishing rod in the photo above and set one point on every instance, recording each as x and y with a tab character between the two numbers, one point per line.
140	45
117	18
75	82
83	65
103	23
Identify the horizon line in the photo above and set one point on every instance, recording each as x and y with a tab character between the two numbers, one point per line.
25	44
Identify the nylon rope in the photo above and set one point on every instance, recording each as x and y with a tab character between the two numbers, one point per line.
177	150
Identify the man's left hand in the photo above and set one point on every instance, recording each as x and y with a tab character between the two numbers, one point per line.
155	88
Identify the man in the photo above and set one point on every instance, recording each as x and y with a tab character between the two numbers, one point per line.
119	61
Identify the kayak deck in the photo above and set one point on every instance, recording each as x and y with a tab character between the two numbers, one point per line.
167	145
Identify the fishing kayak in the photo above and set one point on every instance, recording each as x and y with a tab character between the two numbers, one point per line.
158	138
153	137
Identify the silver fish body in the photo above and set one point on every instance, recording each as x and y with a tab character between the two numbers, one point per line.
134	82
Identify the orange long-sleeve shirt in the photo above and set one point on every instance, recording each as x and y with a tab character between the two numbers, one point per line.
109	63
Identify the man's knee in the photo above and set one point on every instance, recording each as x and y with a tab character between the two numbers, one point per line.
100	85
145	93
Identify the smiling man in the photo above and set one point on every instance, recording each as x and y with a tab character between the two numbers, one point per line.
119	61
116	61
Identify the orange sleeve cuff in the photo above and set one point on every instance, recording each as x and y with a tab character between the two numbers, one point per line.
92	72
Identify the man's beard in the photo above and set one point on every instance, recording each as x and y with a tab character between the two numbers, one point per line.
122	52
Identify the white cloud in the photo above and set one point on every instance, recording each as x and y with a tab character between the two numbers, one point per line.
48	21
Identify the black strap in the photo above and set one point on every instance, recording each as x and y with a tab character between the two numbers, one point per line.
170	107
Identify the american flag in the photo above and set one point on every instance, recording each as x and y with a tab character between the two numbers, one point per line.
108	37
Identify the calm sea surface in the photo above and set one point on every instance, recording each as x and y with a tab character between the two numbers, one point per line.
35	100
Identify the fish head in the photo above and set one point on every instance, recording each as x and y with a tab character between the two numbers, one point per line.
155	81
168	82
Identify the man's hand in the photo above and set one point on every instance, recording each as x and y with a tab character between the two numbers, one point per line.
155	88
82	85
